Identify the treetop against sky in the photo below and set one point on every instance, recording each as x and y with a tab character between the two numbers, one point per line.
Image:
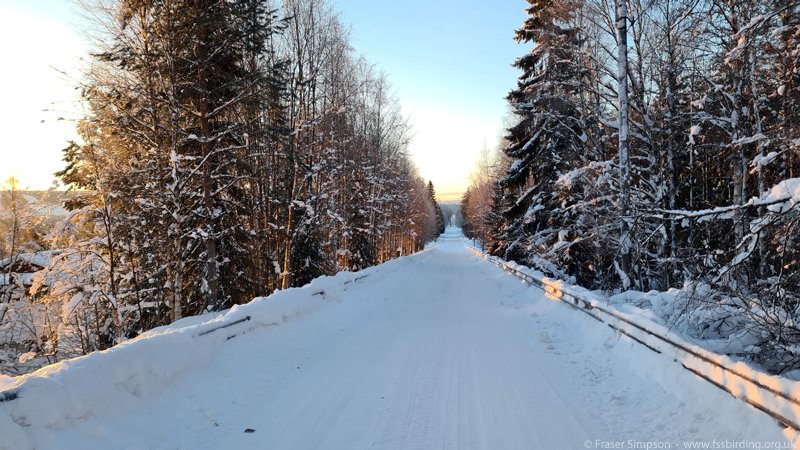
450	63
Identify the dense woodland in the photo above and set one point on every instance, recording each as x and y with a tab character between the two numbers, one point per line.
233	148
656	145
229	149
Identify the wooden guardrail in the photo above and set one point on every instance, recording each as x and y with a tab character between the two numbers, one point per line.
767	393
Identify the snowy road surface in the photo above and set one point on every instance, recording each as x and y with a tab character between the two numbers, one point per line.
444	351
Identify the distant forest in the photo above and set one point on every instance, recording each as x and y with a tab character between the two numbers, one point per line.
653	146
229	149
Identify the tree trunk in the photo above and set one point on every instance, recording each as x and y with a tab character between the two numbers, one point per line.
624	163
208	201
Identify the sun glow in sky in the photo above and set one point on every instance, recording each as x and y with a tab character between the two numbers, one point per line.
449	62
36	35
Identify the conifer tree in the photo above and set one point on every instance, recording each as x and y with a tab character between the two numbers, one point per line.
548	139
439	217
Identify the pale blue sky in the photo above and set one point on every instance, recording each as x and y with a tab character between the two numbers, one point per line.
449	62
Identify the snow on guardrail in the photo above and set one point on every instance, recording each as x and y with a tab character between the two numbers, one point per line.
778	397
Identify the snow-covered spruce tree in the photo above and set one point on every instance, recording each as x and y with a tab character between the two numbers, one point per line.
494	220
556	135
439	219
463	207
219	80
172	80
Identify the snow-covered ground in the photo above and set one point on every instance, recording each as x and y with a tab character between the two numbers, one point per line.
437	350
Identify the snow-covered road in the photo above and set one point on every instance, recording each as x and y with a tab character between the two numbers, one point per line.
445	351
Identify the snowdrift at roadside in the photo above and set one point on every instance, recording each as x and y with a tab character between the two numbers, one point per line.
106	383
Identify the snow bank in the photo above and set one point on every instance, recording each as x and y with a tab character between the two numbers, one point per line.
5	381
774	395
116	380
